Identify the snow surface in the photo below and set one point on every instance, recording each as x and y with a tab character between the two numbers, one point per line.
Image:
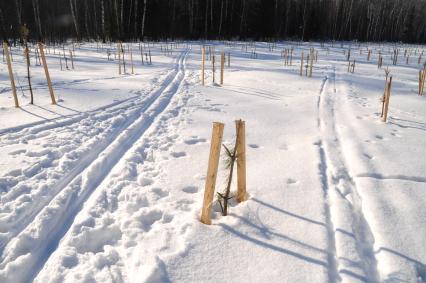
107	185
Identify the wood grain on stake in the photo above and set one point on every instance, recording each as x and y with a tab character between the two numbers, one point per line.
46	71
12	79
387	99
216	144
222	63
241	160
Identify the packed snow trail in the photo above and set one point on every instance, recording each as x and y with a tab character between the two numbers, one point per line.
353	238
33	246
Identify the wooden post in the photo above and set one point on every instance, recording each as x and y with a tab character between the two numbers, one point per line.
215	146
9	67
311	64
213	69
46	71
387	100
229	59
72	60
385	92
222	63
131	60
422	77
203	55
119	58
123	58
241	160
301	66
150	61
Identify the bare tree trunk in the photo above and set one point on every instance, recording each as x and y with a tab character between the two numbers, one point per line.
221	18
18	4
86	20
121	18
130	17
74	18
143	19
243	12
206	19
304	20
37	17
136	19
103	20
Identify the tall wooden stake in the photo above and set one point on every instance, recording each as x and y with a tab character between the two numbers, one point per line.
387	100
119	58
131	60
46	71
12	79
213	69
222	63
203	55
241	160
301	66
215	146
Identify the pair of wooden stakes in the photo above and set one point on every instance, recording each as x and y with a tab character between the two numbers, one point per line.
12	79
216	144
222	65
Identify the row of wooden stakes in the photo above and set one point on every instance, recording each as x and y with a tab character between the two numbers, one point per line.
12	79
222	65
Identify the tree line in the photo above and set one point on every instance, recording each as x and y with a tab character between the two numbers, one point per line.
363	20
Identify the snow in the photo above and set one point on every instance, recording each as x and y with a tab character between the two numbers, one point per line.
107	186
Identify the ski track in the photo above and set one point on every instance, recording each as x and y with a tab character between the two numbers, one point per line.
44	228
15	186
343	205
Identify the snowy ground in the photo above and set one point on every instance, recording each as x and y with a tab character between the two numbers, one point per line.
107	185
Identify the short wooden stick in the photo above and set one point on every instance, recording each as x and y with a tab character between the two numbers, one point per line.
46	71
213	165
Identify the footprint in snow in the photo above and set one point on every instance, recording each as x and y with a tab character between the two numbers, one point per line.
194	141
291	181
190	189
253	145
178	154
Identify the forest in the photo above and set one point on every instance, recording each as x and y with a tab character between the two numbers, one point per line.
362	20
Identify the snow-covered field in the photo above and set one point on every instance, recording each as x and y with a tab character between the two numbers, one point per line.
107	186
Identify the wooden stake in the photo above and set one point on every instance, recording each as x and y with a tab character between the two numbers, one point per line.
215	146
301	66
385	92
72	60
203	55
241	160
387	99
213	69
222	63
12	79
119	58
46	71
229	59
131	60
